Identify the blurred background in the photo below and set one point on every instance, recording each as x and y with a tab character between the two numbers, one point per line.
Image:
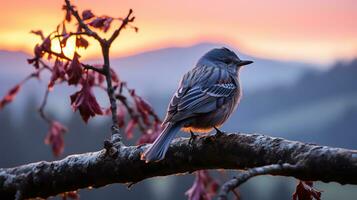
302	85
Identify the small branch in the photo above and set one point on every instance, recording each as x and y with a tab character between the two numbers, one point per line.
228	151
70	34
59	55
81	22
41	110
110	91
245	175
62	56
125	22
99	70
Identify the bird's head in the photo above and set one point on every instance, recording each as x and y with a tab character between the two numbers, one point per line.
224	57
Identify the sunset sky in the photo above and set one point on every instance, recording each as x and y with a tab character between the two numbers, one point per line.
319	31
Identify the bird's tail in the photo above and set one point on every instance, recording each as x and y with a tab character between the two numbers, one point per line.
158	149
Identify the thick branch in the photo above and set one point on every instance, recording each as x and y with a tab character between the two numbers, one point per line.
232	151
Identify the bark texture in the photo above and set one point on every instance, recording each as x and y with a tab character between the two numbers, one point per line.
228	151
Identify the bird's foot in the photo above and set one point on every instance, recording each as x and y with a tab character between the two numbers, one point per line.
192	138
218	132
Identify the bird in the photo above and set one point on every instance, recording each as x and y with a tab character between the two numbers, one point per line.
206	97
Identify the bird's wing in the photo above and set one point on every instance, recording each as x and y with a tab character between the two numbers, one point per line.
201	90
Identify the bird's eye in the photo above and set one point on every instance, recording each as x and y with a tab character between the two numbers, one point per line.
227	61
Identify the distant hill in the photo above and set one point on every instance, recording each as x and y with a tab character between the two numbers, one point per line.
313	109
159	71
156	72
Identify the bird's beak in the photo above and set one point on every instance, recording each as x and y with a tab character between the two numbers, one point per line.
244	62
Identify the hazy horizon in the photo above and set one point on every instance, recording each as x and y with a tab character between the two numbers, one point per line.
319	32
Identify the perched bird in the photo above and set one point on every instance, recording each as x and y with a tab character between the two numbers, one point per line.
206	97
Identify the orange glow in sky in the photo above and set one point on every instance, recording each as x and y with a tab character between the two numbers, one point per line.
318	31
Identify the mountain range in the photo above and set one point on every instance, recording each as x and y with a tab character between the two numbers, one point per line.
159	71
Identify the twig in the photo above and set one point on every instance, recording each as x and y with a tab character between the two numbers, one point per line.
41	110
60	55
99	70
88	31
125	22
70	34
245	175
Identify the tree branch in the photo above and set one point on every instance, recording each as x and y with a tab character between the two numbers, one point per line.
231	151
99	70
87	30
250	173
125	22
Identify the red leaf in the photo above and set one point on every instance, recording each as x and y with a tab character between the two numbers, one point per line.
98	22
121	112
38	51
305	191
107	23
129	130
46	44
34	61
10	96
203	188
87	14
85	102
81	42
100	78
143	107
102	23
114	76
55	137
70	195
68	13
58	73
39	33
74	71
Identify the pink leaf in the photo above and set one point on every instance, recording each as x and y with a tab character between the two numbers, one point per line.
121	112
87	14
305	191
81	42
58	73
10	96
39	33
102	23
85	102
74	71
107	23
70	195
98	22
114	76
129	130
55	137
68	13
46	44
203	188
